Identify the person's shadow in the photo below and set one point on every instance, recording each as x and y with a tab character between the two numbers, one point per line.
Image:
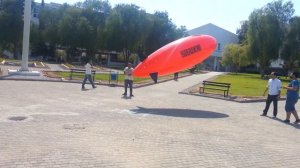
126	97
297	126
185	113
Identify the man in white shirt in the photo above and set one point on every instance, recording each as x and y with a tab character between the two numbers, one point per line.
88	75
274	87
128	79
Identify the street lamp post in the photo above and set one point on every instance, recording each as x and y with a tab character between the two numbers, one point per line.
25	51
26	34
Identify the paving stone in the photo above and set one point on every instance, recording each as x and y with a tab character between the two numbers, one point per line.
157	128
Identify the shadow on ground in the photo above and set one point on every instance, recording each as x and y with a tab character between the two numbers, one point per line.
297	126
185	113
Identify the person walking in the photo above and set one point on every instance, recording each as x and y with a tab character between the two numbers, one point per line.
128	79
274	87
88	75
176	76
292	97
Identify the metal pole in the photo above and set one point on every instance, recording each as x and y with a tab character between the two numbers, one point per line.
26	34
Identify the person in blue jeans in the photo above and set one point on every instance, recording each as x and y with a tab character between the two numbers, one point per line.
88	75
292	97
128	82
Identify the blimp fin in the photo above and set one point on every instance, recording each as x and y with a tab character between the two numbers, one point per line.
154	76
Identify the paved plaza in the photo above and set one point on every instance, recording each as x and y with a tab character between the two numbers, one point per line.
65	127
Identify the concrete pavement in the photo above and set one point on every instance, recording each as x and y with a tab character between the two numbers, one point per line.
67	127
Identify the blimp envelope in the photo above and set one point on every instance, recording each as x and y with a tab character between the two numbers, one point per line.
177	56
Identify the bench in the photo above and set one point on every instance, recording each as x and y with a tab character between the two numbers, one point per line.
74	71
209	85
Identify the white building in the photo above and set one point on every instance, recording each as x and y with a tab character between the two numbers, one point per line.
223	38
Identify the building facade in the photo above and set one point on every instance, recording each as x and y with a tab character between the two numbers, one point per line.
223	38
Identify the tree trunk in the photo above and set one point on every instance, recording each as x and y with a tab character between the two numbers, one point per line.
262	72
126	54
15	50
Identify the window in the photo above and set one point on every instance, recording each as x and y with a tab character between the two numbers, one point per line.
219	46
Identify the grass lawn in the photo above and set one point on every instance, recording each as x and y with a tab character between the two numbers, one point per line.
247	84
12	60
105	77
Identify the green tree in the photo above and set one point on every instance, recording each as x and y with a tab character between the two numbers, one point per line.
34	38
242	32
283	13
11	25
49	29
291	46
75	32
266	30
162	32
235	56
124	29
96	13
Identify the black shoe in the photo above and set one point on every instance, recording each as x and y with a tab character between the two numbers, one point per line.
297	121
286	121
263	114
274	117
94	87
131	95
124	94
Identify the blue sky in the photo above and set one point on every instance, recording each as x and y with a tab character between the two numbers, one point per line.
194	13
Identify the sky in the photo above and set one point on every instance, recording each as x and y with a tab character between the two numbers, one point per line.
227	14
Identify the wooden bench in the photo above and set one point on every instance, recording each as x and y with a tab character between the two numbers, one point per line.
74	71
208	85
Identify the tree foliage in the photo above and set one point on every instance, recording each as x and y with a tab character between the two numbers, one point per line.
265	32
89	26
11	25
162	32
242	32
235	56
291	45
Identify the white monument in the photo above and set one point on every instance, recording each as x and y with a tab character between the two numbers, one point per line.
25	52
